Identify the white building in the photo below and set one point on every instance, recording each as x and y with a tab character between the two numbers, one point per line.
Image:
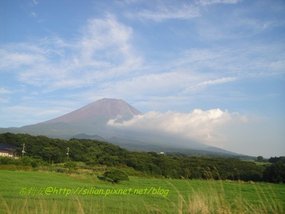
6	153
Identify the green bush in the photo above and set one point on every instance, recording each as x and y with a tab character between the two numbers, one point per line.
29	161
275	173
7	160
114	176
70	165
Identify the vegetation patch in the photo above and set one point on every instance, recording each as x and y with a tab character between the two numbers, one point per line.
43	151
114	176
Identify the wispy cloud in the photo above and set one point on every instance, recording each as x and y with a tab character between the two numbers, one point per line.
35	2
34	14
207	83
238	62
165	12
239	23
111	43
11	59
5	91
217	81
210	2
189	73
103	50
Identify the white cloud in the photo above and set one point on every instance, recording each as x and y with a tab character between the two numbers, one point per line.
210	2
104	33
13	59
218	81
4	91
151	84
166	12
35	2
103	50
34	14
210	82
197	125
107	44
193	72
238	23
234	62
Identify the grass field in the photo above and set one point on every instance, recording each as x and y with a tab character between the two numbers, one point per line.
46	192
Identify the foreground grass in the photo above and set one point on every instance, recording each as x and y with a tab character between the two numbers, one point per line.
184	196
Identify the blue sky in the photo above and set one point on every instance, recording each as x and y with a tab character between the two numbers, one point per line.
223	57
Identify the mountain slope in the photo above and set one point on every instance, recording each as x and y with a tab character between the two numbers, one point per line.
104	109
90	119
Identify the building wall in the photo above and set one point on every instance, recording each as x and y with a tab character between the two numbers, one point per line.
6	154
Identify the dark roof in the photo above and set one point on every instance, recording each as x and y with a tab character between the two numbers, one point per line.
7	151
6	147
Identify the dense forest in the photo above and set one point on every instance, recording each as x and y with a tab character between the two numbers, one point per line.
44	150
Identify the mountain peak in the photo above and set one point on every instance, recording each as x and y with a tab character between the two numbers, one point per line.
103	109
109	101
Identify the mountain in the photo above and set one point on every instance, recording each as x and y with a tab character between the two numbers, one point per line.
90	122
103	110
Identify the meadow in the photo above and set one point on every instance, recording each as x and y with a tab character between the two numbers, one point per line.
46	192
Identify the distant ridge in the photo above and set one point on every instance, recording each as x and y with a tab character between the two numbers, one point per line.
89	137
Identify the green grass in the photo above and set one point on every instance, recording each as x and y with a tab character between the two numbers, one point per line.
185	196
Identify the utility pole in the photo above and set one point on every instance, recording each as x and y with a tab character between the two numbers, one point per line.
67	153
23	149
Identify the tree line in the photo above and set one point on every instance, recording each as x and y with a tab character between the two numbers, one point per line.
42	149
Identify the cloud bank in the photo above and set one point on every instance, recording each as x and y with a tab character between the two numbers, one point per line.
199	125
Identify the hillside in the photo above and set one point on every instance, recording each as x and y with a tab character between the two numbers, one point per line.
93	152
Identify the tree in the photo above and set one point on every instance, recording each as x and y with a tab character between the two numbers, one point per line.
114	176
259	159
275	173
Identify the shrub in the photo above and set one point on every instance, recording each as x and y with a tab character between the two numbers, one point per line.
275	173
70	165
7	160
114	176
28	161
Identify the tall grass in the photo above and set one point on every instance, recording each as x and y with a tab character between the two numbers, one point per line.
185	196
213	200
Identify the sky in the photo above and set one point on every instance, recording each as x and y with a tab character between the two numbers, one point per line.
212	70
